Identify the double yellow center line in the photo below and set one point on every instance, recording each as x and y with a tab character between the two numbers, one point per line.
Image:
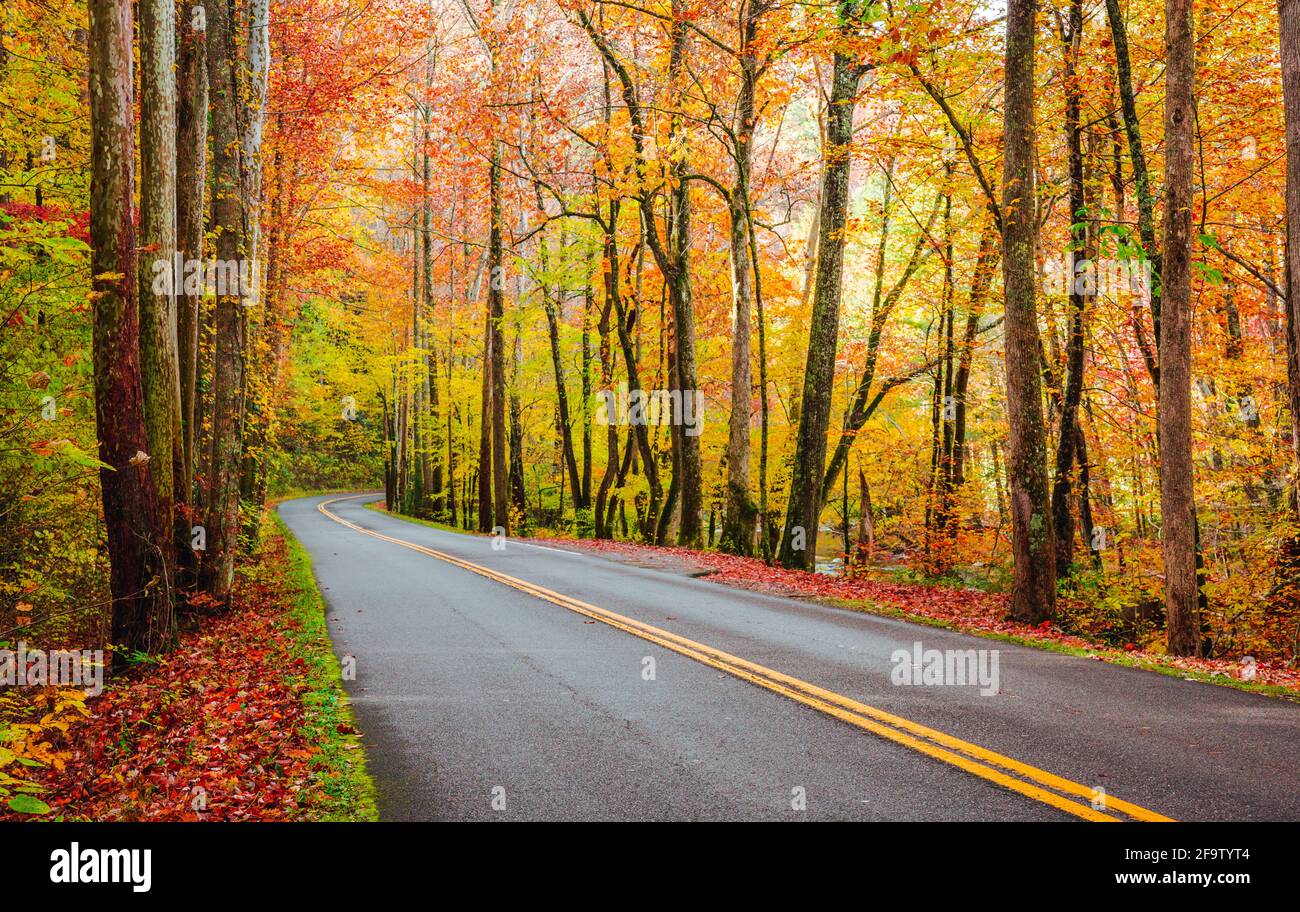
1004	771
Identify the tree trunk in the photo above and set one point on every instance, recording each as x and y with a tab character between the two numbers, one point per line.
277	328
497	363
1141	181
799	541
228	362
390	483
485	429
518	496
139	541
563	422
159	370
1289	19
672	255
253	71
1067	456
739	510
611	430
1177	502
678	231
451	407
944	404
586	394
612	270
656	505
191	179
431	459
252	116
1033	594
419	503
981	280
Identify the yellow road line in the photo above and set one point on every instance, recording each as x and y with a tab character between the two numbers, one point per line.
1007	772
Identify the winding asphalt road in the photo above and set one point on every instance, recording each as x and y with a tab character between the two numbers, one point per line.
532	682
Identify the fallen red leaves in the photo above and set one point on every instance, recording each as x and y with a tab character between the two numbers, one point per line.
211	732
968	610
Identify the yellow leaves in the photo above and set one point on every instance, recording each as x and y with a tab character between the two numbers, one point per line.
69	699
61	698
67	705
33	744
104	278
40	753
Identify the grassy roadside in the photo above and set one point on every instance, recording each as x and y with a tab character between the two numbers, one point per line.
340	766
280	496
379	507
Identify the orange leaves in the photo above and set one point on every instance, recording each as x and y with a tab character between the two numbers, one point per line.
47	447
906	56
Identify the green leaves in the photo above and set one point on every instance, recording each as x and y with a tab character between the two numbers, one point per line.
62	249
1210	274
26	804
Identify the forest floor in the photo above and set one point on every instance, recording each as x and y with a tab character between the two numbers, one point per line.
966	610
246	719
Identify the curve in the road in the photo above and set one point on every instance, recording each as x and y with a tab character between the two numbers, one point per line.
1030	781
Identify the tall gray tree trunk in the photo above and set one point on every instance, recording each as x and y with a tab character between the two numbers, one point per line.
563	421
222	519
739	510
160	371
1067	452
485	505
1141	180
799	540
1033	593
497	363
191	179
256	75
1177	500
432	460
1289	20
138	540
252	81
689	468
